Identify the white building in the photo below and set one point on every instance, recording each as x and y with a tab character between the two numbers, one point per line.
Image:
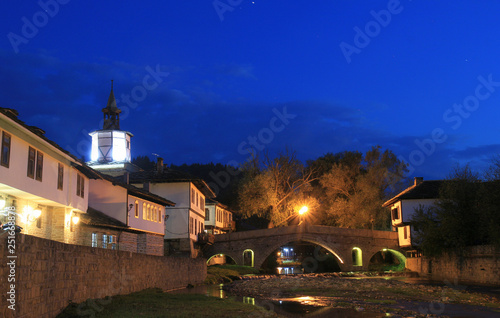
141	214
40	181
218	218
420	194
186	220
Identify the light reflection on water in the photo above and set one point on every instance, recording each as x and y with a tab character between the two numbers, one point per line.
294	307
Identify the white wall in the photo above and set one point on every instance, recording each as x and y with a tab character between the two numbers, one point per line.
46	190
108	199
403	242
409	206
177	224
155	224
211	211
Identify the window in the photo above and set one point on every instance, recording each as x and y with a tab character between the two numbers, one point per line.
39	222
195	226
155	215
80	185
144	211
159	215
94	240
39	166
192	196
31	162
5	155
395	213
207	215
60	176
405	232
148	215
104	241
202	203
136	209
197	201
112	241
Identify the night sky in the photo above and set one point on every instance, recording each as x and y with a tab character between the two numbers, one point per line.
208	81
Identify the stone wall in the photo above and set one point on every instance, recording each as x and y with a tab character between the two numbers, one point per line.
480	265
49	275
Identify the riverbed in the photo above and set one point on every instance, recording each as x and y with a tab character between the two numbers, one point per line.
326	295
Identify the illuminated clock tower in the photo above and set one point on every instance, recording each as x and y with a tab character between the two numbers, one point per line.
110	145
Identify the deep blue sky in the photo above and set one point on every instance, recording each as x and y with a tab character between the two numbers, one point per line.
230	72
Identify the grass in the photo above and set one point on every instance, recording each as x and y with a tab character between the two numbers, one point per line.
155	303
217	274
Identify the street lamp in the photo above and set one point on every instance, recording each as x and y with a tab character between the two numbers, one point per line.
302	211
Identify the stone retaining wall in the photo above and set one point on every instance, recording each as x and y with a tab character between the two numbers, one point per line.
480	265
49	275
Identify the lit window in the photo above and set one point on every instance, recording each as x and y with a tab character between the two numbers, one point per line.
144	211
104	241
31	162
136	209
112	241
5	154
60	176
156	215
94	240
159	215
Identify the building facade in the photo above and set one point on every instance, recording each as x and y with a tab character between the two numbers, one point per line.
421	194
218	218
41	189
187	219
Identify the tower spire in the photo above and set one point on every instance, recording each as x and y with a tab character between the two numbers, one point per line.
111	113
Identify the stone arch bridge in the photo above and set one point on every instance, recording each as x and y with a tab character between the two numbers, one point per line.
353	248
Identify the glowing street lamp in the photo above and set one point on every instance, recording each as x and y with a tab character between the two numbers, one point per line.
303	210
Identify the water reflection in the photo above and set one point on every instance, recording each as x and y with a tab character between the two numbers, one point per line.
294	307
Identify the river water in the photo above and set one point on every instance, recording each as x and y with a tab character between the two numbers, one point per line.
306	307
296	307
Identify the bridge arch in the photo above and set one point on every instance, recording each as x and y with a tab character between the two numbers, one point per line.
397	254
219	254
313	240
248	257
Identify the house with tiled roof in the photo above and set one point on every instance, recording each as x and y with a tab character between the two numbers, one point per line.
41	189
218	218
140	214
187	219
402	206
49	193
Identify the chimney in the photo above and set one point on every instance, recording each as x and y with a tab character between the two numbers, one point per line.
126	178
159	165
418	180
